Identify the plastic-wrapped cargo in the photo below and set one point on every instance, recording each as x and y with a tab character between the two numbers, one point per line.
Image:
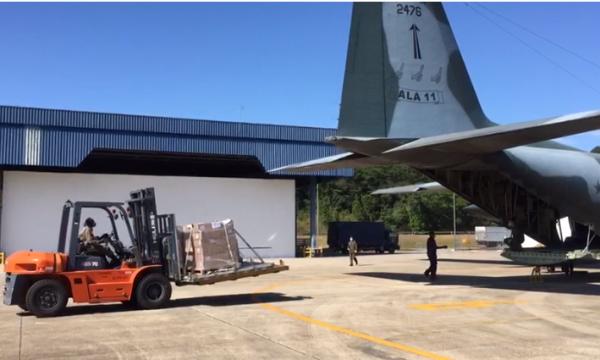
209	246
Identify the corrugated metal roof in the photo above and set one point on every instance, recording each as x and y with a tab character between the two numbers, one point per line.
12	145
157	125
63	138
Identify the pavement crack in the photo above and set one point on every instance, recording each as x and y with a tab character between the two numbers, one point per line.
257	334
20	335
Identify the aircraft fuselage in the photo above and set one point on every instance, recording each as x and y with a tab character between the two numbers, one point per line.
533	186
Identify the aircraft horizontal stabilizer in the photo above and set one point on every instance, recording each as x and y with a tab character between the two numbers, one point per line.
365	145
492	139
413	188
340	161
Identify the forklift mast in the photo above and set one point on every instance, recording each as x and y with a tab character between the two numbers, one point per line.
155	235
142	208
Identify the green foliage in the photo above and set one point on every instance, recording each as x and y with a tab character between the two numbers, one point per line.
351	200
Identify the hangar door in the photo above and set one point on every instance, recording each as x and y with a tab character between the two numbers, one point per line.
263	210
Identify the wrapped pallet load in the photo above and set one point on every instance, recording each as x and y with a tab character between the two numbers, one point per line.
209	246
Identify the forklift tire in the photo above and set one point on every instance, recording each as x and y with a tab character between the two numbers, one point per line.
153	291
129	303
46	297
23	306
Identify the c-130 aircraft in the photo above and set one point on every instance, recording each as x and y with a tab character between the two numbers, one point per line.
407	99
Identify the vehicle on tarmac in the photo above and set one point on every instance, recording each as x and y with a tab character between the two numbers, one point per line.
369	236
491	236
43	282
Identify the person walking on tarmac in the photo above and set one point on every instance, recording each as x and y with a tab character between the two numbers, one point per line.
352	250
432	247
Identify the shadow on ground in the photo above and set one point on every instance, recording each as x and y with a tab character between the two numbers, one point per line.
476	261
579	284
220	300
589	265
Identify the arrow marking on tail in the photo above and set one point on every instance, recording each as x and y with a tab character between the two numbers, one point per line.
416	48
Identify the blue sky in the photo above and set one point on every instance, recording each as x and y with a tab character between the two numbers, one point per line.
275	63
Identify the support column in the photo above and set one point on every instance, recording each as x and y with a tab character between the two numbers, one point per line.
454	219
1	202
314	208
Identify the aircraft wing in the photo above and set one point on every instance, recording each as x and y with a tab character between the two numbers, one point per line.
471	209
492	139
340	161
448	149
413	188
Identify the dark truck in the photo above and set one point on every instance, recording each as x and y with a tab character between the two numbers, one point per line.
368	235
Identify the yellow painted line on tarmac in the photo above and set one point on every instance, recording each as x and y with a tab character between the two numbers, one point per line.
345	331
470	304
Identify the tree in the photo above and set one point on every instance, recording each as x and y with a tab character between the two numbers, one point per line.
350	199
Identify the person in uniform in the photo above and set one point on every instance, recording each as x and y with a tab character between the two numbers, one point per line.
87	234
89	244
352	250
432	247
517	236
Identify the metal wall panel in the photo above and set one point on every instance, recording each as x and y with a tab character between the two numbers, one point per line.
12	146
263	209
67	137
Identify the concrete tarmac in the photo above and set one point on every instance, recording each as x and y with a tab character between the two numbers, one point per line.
481	307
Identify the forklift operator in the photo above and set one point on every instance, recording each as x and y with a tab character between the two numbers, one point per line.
87	234
89	244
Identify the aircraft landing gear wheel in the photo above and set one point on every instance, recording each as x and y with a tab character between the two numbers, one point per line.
153	291
46	297
568	269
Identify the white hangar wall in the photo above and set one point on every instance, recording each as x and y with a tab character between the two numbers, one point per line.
263	210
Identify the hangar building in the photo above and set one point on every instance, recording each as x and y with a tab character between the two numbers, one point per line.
201	171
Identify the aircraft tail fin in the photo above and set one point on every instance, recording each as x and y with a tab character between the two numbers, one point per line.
405	77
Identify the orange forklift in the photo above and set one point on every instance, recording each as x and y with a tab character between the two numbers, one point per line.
43	282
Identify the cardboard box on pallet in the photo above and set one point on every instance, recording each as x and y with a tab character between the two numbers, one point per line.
209	246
